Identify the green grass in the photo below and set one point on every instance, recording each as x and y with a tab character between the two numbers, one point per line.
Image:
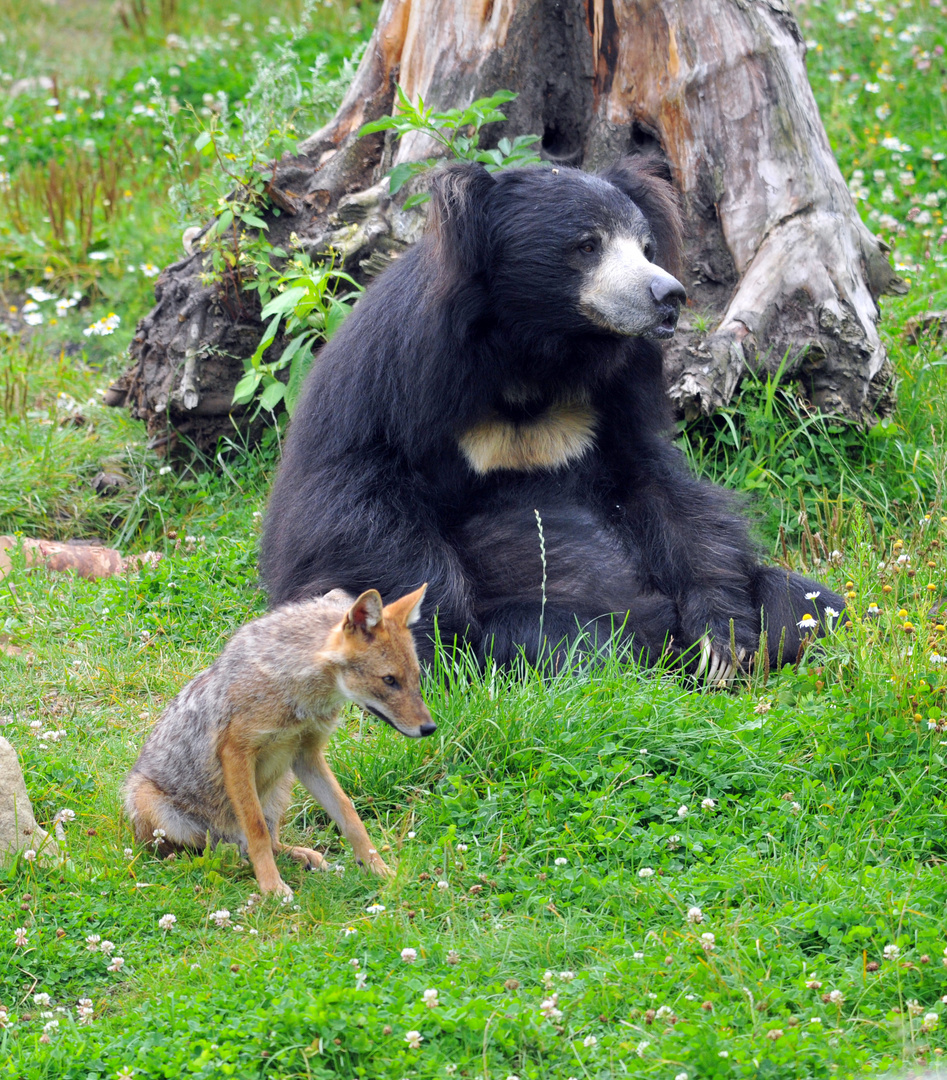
537	804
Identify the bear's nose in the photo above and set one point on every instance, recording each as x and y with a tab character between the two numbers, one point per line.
667	290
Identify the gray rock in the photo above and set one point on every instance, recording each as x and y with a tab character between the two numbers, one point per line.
18	828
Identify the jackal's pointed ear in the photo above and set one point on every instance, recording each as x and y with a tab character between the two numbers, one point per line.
364	615
407	610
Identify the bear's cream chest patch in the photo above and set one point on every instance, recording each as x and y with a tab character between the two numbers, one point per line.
561	434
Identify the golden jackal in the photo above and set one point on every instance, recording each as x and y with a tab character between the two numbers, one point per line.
218	765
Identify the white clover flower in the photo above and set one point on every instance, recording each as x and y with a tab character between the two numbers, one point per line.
931	1020
891	952
220	918
681	1076
567	976
443	884
430	999
836	997
29	855
708	804
409	955
694	915
637	956
645	872
413	1039
561	861
128	852
549	1008
99	256
708	942
795	808
461	848
116	964
43	1000
158	834
914	1007
642	1047
166	922
589	1041
664	1012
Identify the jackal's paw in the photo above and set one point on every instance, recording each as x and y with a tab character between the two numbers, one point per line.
307	858
277	887
374	863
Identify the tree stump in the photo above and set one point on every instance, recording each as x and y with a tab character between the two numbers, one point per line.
779	267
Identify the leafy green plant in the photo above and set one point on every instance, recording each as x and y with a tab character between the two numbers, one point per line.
458	131
310	308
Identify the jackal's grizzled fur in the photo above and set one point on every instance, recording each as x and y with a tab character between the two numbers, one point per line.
219	762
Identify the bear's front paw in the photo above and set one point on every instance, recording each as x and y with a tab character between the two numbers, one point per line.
718	665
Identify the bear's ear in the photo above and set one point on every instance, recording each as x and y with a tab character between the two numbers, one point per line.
457	218
647	182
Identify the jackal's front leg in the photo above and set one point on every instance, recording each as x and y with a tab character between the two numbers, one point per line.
238	765
314	773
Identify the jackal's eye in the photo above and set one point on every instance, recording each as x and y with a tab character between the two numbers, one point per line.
390	680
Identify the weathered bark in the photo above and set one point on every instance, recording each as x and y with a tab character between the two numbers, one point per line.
777	259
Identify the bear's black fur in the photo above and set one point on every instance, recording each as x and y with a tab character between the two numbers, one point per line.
501	388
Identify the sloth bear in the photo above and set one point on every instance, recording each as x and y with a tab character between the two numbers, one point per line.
492	420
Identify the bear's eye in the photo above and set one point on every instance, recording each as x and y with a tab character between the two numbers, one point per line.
390	680
589	245
648	251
